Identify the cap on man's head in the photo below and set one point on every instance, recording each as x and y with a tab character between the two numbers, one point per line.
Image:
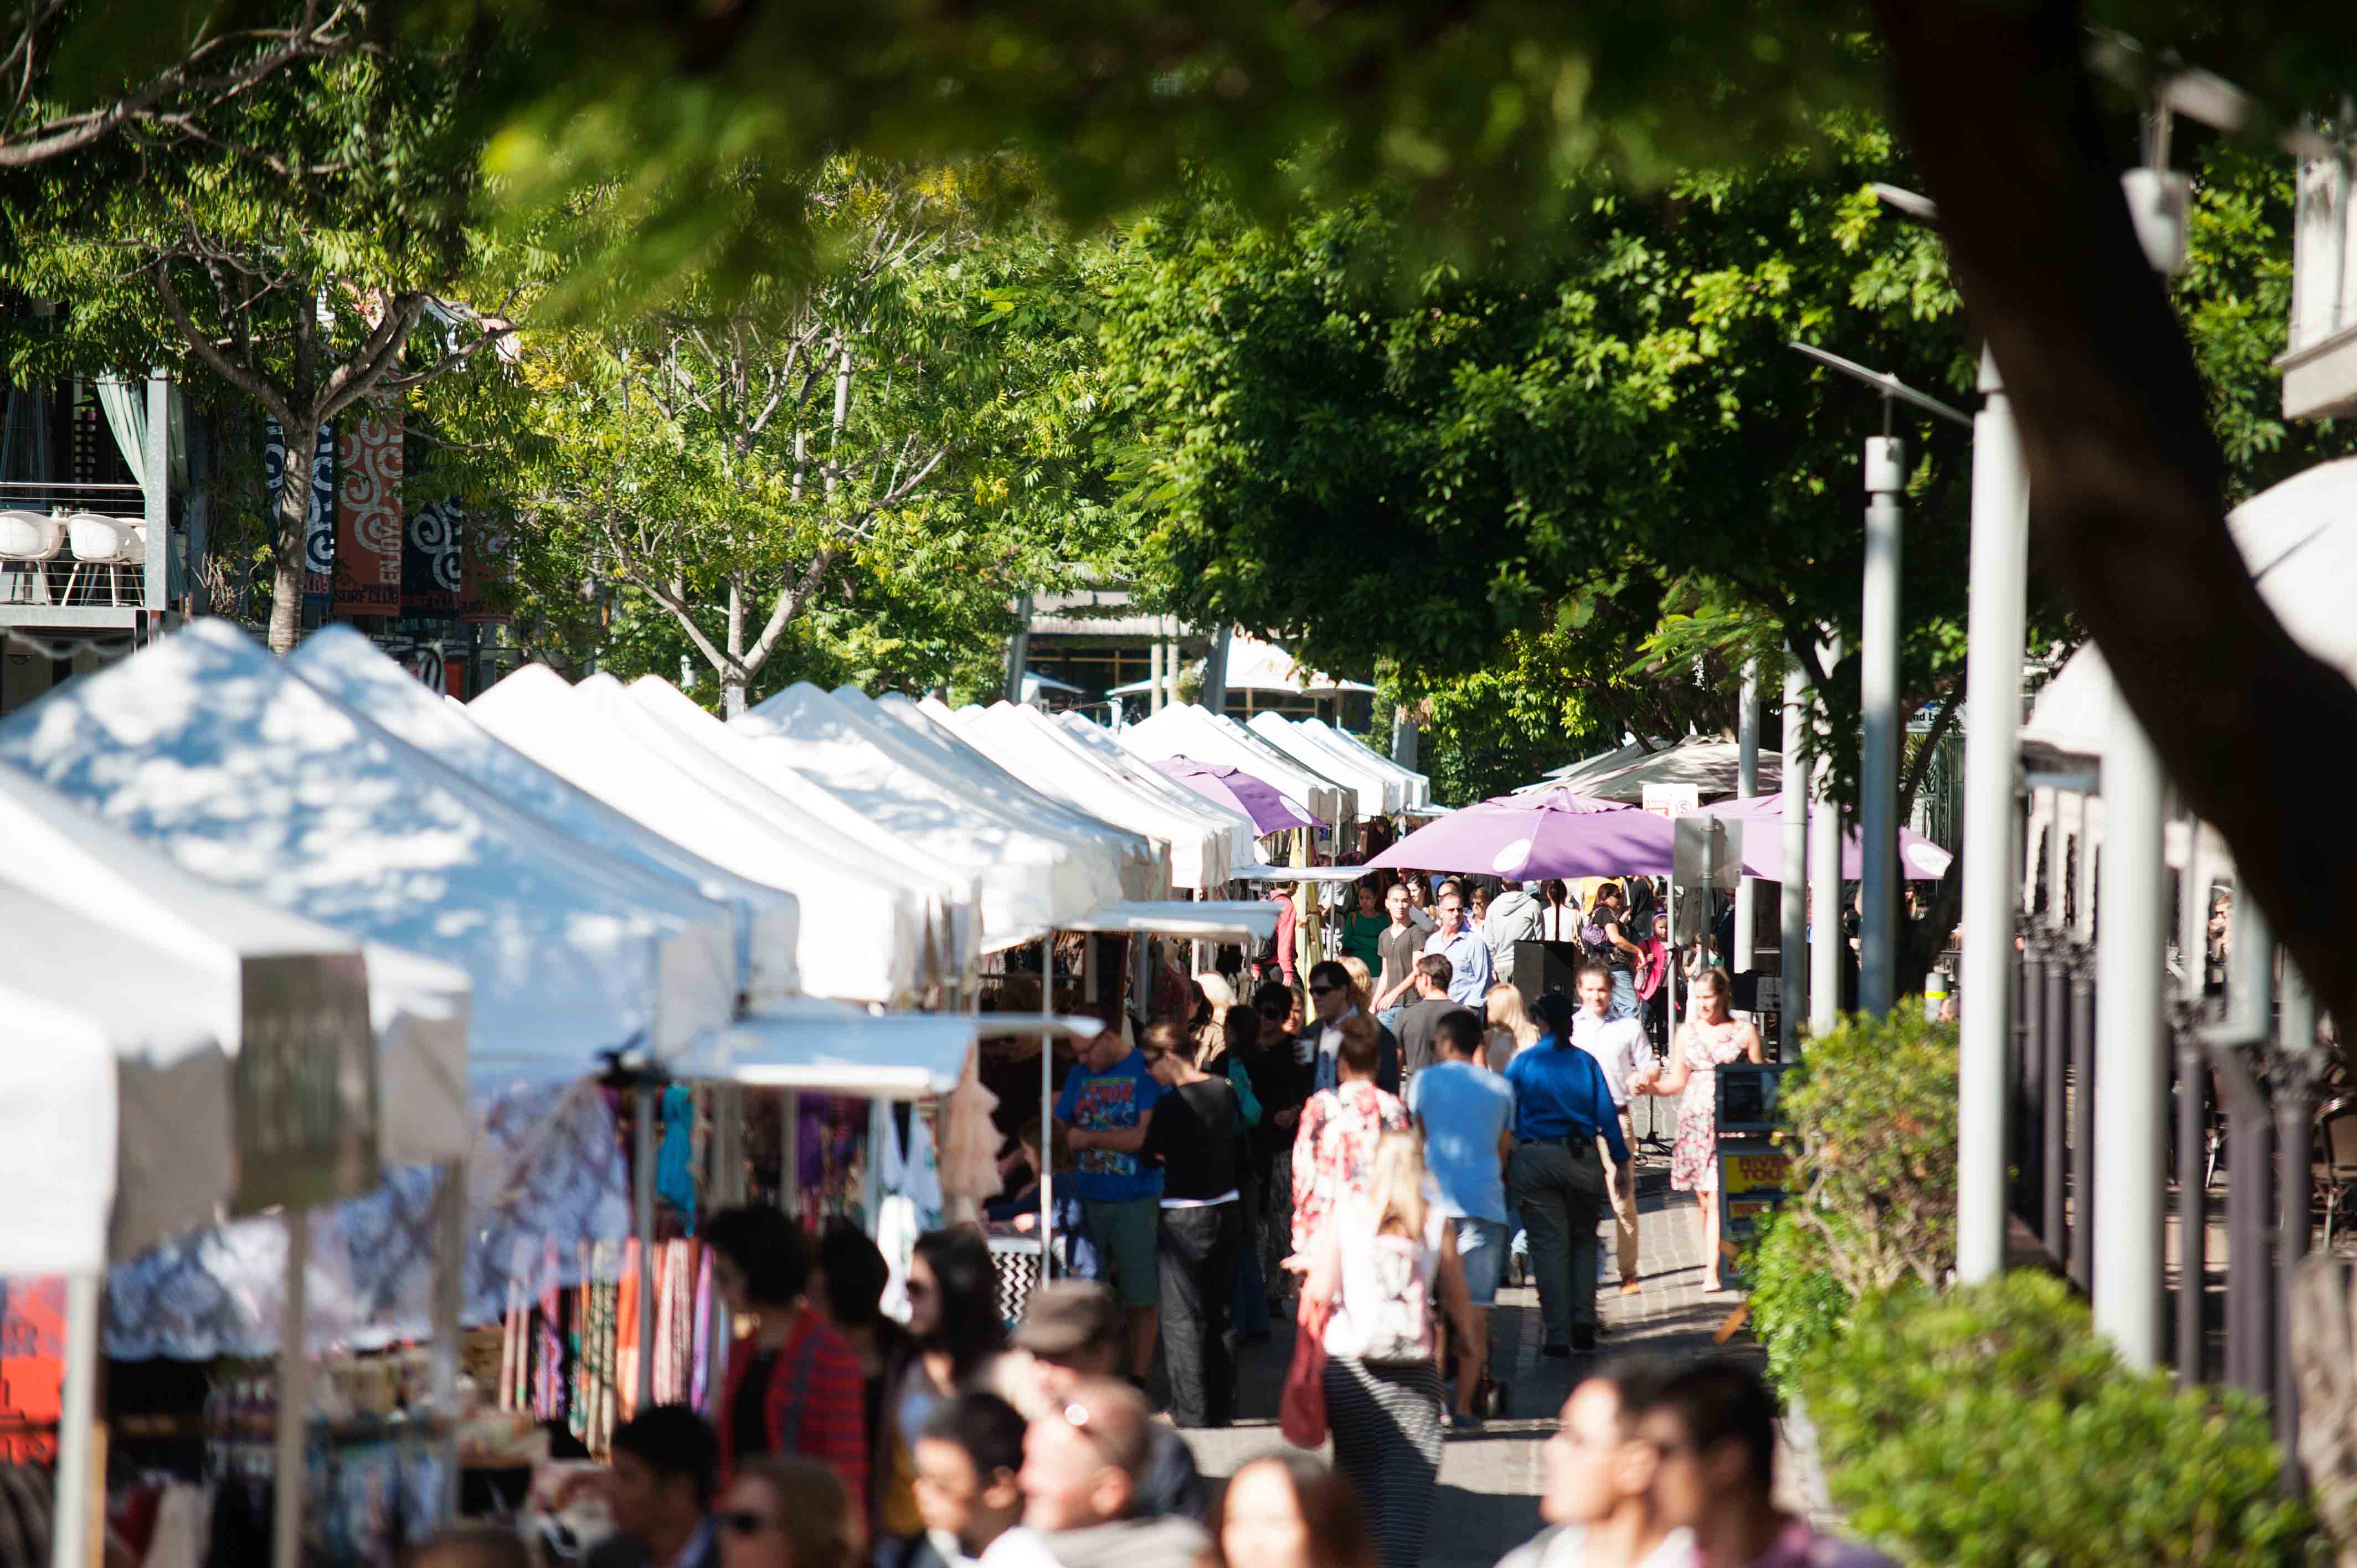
1066	1315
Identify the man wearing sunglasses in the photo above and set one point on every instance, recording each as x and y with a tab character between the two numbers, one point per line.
1081	1460
1329	994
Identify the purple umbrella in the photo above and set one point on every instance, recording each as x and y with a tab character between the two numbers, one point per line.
1526	838
1239	791
1762	816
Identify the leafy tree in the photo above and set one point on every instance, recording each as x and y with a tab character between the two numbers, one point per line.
304	245
860	466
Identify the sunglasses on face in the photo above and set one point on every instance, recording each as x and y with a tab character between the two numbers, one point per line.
746	1522
1324	990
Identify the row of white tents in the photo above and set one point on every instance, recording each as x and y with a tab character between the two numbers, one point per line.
284	928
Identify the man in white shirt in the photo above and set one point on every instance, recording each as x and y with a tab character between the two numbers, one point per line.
1597	1492
1621	1049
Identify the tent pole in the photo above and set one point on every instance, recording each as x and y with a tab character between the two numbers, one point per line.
642	1138
790	1152
1047	1107
293	1398
77	1424
449	1296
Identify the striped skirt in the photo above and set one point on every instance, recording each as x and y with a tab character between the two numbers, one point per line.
1386	1421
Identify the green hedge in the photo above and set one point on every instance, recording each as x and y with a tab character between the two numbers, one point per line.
1990	1425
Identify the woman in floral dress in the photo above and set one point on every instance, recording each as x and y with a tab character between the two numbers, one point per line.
1708	1041
1340	1126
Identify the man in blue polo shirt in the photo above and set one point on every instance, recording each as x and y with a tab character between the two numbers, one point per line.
1562	1104
1467	954
1108	1102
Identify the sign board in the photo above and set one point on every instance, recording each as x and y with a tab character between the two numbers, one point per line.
1673	799
306	1082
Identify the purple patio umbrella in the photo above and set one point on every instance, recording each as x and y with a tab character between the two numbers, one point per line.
1762	816
1234	788
1526	838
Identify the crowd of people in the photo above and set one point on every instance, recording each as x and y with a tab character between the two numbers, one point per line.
1368	1157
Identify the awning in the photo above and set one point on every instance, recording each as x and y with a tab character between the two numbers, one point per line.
896	1056
1221	920
1302	872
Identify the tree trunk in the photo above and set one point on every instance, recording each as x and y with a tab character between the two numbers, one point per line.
2125	477
732	679
286	542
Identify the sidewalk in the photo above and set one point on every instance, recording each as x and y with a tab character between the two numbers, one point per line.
1489	1482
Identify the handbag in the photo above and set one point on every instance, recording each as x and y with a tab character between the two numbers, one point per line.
1301	1410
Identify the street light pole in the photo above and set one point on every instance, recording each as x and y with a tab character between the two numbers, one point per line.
1746	784
1886	475
1792	925
1825	883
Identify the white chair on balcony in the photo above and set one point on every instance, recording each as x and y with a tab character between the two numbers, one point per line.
29	541
113	548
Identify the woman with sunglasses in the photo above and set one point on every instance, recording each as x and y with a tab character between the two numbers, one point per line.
786	1513
1198	1126
953	1317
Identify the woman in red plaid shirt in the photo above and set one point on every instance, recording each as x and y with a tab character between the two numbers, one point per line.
793	1385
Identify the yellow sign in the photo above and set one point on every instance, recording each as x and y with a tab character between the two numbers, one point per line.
1741	1174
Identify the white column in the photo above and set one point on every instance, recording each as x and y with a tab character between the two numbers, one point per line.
77	1424
2131	1057
1995	629
1877	768
1792	937
1824	886
1746	784
155	458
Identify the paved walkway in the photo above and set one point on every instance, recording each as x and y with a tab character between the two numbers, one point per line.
1490	1481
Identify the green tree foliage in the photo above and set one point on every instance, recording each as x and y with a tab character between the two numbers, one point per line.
1991	1425
300	246
851	469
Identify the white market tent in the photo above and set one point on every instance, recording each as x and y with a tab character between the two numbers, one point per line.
251	778
348	668
1257	666
1098	743
1381	793
1416	788
952	901
1043	758
1186	730
867	946
57	1137
1029	882
1274	755
1712	767
1141	868
1575	775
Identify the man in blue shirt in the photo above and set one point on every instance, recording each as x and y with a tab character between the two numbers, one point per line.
1466	1114
1108	1102
1467	954
1562	1105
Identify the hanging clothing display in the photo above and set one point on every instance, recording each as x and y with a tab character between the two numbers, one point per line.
970	1139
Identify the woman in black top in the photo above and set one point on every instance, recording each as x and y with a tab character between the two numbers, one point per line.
1194	1136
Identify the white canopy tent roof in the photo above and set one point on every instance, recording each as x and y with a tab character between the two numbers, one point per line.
2299	540
1274	755
1097	742
1203	920
348	668
1416	788
867	947
1142	866
953	899
1034	750
831	1047
1576	775
1710	766
1380	792
1257	666
1186	730
251	777
1029	881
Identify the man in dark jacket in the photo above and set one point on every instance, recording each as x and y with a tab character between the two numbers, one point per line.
1329	994
666	1463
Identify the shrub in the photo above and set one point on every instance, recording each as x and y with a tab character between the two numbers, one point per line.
1990	1425
1797	1304
1873	1129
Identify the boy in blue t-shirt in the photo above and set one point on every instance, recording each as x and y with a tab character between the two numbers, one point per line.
1467	1113
1109	1103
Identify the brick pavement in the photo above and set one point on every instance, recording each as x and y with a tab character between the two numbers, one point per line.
1490	1481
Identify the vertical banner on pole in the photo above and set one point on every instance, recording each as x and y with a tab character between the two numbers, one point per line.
320	526
368	520
483	543
433	570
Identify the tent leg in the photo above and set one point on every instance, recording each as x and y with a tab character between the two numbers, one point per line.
293	1398
643	1134
78	1422
1046	1106
449	1296
727	1187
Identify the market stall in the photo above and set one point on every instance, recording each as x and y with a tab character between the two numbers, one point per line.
1381	792
1185	730
1110	754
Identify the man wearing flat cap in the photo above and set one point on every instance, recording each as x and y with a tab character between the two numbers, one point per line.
1073	1330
